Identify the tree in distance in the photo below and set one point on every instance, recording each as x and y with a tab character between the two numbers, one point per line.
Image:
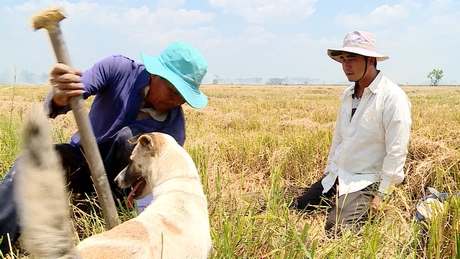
435	76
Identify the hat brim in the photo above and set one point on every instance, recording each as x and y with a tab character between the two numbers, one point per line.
191	95
335	53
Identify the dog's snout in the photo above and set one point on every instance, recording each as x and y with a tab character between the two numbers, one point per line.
120	179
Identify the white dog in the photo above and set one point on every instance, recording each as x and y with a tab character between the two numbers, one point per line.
175	225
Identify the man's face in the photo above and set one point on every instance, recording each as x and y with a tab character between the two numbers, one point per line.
353	65
162	94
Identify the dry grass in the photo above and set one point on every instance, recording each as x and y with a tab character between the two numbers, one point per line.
251	142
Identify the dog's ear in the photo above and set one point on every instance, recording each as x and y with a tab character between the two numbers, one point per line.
134	140
146	140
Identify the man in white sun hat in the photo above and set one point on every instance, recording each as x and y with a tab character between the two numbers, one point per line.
370	140
130	98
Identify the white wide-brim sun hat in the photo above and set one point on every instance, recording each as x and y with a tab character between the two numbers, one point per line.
357	42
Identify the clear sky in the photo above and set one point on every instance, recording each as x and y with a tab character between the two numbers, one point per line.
239	38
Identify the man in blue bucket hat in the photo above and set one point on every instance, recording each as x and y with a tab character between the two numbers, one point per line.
130	99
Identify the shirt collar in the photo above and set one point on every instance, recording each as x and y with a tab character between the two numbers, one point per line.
373	87
145	91
375	84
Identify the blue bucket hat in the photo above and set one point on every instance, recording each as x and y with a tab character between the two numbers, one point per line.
184	67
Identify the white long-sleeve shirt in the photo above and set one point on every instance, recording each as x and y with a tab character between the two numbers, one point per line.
372	145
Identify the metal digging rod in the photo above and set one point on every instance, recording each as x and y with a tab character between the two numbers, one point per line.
49	19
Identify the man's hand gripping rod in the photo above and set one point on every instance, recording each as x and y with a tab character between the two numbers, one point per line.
49	19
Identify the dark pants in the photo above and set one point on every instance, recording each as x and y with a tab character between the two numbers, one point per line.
115	155
347	211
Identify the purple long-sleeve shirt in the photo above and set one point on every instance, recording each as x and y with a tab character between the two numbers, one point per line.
117	81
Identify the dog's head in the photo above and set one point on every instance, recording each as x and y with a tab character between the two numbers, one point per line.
156	158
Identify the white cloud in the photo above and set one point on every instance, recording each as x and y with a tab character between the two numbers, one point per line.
93	30
268	11
137	25
258	35
445	20
120	20
171	3
107	15
414	33
447	23
387	11
442	2
379	16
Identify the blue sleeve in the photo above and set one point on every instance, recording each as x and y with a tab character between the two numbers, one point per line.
99	76
94	80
